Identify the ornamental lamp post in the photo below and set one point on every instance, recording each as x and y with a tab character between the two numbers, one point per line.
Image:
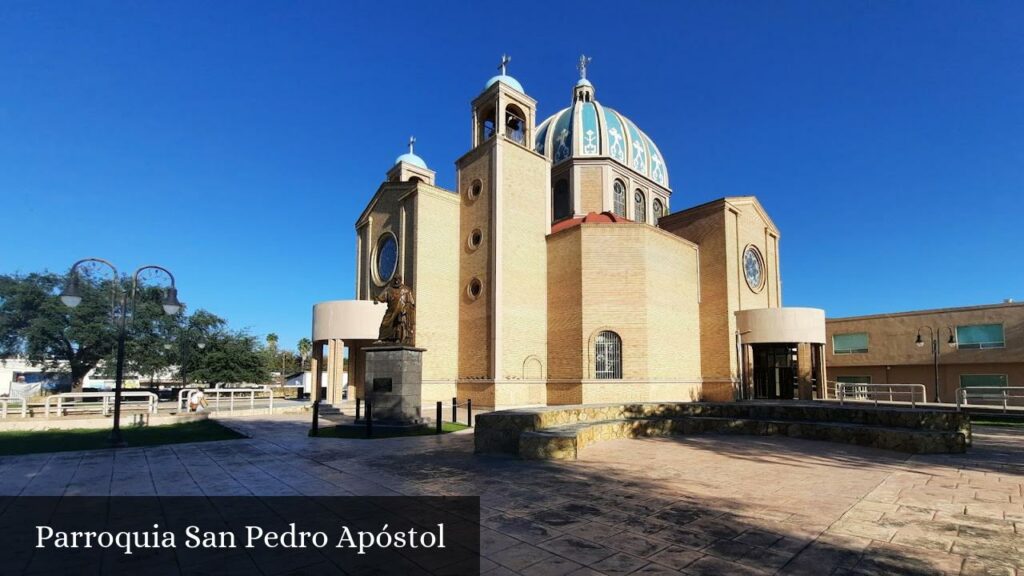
122	303
933	336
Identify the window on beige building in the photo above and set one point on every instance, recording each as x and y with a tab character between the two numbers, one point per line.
980	336
608	356
983	380
852	343
859	392
619	198
658	209
639	206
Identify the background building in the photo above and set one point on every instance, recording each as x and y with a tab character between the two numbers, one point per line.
977	346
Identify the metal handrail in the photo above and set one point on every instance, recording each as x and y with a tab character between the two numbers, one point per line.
4	402
962	394
107	404
870	389
218	392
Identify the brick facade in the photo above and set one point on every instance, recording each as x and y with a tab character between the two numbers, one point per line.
528	336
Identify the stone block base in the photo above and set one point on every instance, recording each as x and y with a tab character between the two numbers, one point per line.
393	383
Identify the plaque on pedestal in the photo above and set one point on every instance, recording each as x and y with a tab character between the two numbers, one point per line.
394	383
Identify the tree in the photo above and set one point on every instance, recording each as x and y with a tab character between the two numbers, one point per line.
231	358
272	341
305	348
35	324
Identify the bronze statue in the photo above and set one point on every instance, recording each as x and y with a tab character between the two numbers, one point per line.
399	323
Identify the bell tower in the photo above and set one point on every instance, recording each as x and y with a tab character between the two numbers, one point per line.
504	109
504	220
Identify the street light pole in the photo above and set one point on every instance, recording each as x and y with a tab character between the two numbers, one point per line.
72	297
934	336
185	349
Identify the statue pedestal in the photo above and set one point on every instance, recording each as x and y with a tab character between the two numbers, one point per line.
394	382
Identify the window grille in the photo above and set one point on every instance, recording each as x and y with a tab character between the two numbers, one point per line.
608	356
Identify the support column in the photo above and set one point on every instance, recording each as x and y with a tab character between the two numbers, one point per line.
805	371
335	371
315	365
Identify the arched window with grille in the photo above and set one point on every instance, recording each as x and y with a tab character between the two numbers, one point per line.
562	201
639	206
659	210
619	198
607	356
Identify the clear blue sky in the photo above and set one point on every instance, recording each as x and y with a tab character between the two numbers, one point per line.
236	143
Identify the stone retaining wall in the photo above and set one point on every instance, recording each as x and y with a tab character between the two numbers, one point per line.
525	431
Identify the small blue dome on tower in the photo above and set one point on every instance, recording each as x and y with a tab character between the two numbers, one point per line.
411	159
411	156
503	77
507	80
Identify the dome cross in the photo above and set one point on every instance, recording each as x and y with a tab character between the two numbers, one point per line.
412	141
505	59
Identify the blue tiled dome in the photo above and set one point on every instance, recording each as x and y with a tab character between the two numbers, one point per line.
505	79
586	129
412	159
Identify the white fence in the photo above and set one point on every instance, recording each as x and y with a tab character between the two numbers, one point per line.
84	402
215	398
857	392
5	406
989	395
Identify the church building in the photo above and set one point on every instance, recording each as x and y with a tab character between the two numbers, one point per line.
561	270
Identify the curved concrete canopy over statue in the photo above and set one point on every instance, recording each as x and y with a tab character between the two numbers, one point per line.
399	323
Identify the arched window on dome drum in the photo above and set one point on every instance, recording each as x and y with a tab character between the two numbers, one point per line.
639	206
659	209
619	198
562	201
607	356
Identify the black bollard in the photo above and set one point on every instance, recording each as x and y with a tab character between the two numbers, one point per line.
469	412
438	417
369	419
315	430
357	408
455	407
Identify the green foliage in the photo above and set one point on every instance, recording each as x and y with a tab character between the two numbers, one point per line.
232	357
36	441
305	347
35	324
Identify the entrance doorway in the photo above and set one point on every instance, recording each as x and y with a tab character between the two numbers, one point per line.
775	371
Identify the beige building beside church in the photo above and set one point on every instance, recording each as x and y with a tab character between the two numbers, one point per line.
944	350
556	272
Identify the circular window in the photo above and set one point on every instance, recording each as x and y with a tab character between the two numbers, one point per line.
387	257
475	238
753	268
475	288
475	189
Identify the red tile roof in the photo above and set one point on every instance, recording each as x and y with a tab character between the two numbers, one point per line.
591	218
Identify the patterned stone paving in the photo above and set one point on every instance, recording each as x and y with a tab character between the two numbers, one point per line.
687	505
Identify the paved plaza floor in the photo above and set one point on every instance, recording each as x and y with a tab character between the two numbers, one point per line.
693	505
